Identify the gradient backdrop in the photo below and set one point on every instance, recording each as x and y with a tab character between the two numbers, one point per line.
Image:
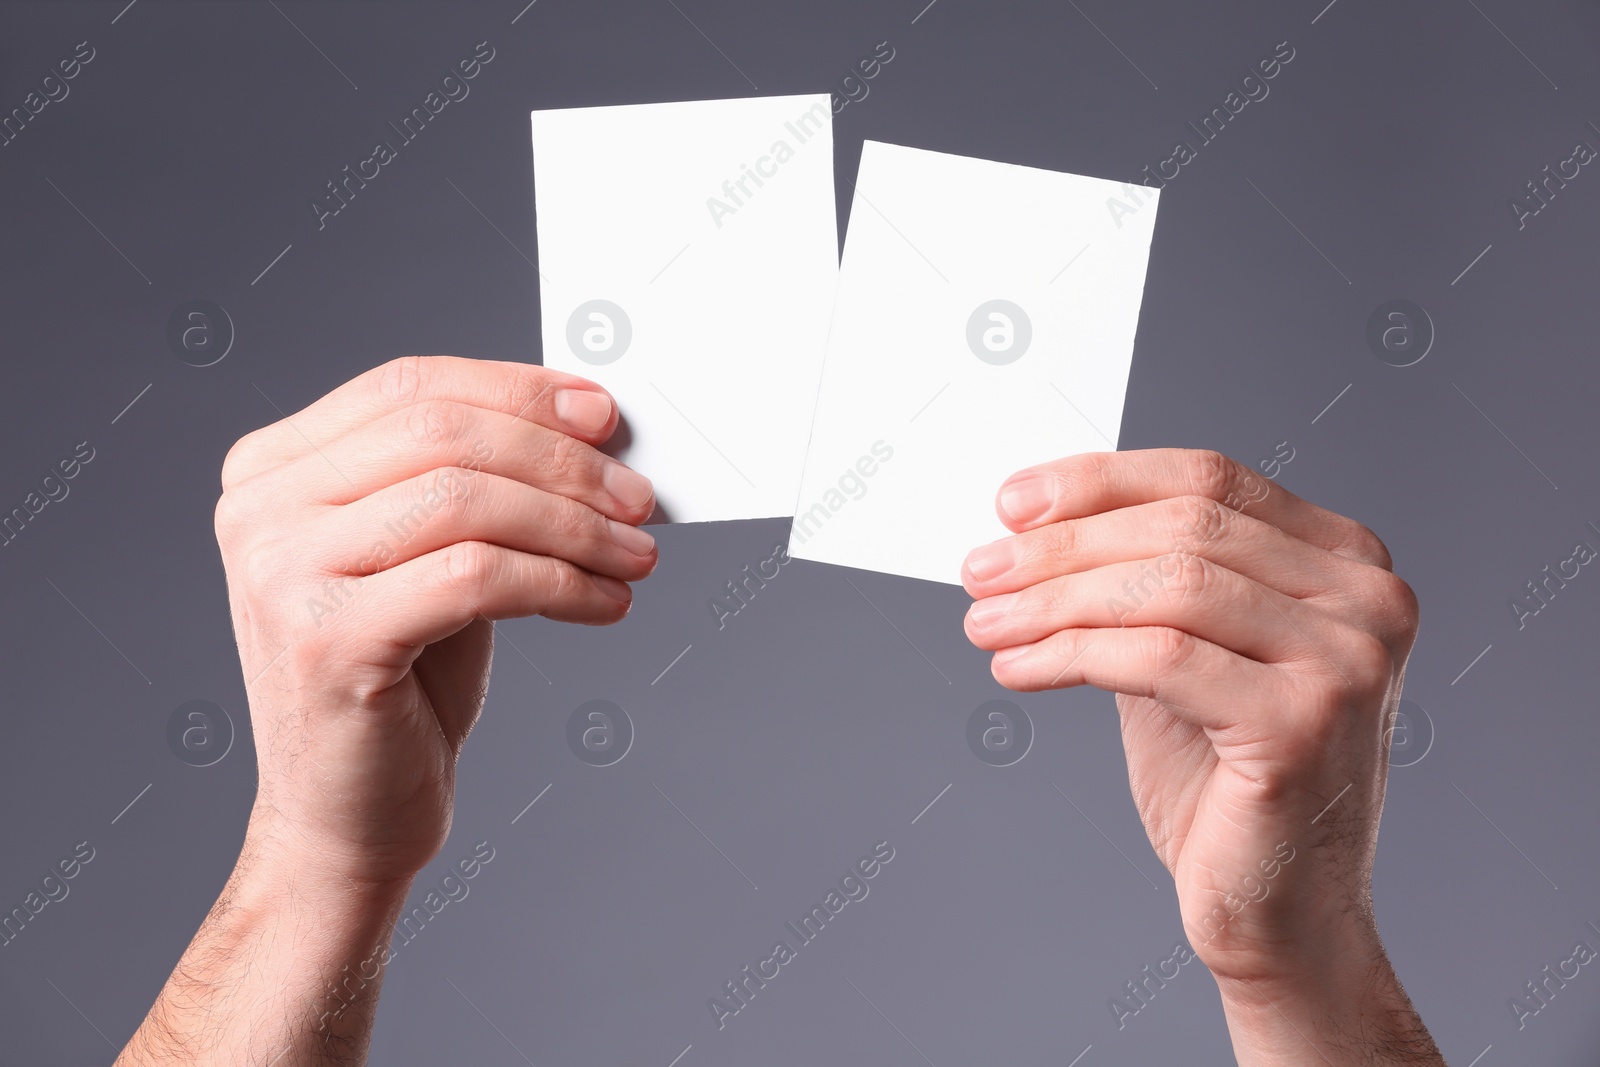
766	757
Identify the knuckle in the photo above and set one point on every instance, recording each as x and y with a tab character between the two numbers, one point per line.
309	654
1357	686
238	464
1371	660
227	517
563	582
524	389
1084	471
568	456
445	494
1047	600
1189	578
469	566
1170	650
400	381
1399	601
1056	543
432	425
1325	711
1066	540
574	523
266	564
1211	473
1197	520
1368	546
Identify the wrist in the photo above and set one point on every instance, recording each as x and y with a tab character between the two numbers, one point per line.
1289	942
285	968
1345	1002
277	860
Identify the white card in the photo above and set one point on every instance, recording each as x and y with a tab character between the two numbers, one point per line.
984	322
688	254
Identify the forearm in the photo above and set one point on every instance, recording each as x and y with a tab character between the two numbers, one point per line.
285	970
1348	1010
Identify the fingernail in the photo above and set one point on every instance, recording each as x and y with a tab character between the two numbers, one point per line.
989	610
991	561
631	538
1010	655
583	410
612	588
630	488
1027	498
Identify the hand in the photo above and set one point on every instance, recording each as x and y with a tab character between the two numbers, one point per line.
1257	645
370	541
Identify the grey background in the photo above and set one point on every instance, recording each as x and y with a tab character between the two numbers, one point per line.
823	718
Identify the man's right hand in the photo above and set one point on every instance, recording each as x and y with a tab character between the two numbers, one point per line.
369	541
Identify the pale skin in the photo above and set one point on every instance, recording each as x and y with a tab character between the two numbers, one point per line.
1257	656
371	539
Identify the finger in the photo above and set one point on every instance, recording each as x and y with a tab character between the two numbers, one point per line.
439	508
1195	525
1183	592
1200	682
428	598
547	397
1096	482
444	433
